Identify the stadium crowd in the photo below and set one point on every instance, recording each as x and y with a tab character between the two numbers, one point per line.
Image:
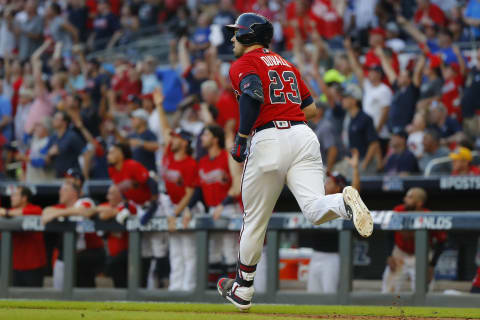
392	85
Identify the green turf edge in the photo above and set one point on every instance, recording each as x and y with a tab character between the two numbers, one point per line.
22	314
258	308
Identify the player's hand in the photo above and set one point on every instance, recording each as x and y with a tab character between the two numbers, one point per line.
239	149
172	223
392	263
187	217
46	218
217	213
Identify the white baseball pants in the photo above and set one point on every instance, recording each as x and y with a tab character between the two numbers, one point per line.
223	246
278	157
393	281
183	261
323	272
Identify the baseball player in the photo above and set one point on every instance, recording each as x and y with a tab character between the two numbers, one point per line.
401	262
217	193
90	247
117	242
274	105
28	253
179	173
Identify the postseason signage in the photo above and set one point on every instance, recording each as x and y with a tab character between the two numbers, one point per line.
383	220
460	183
369	183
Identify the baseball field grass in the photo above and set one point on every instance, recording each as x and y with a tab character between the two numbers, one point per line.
53	310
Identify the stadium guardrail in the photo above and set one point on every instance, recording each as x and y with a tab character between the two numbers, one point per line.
420	223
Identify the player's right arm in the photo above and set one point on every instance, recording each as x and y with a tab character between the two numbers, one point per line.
164	124
51	213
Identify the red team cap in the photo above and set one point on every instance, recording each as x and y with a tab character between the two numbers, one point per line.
379	31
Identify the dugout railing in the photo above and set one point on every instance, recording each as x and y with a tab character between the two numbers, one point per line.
420	223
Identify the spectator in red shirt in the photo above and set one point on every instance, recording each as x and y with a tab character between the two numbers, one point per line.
179	172
224	101
377	39
401	262
90	247
328	17
428	13
297	21
452	86
29	257
117	242
462	163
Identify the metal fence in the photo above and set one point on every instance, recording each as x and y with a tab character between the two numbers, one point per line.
420	223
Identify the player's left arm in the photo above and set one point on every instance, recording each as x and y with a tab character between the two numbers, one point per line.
250	102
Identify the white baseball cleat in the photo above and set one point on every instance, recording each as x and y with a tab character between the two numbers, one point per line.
225	287
358	211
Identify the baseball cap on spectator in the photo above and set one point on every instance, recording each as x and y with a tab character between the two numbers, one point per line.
185	135
147	96
133	98
353	91
399	131
435	61
333	75
455	67
392	27
376	67
141	114
75	173
338	178
379	31
461	153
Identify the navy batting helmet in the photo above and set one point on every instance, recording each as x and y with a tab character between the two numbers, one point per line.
252	28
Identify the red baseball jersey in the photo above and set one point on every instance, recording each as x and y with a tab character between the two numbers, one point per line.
283	87
135	171
29	247
178	175
118	241
214	178
405	240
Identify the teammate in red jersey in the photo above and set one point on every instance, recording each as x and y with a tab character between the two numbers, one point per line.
401	262
117	242
90	251
215	189
29	257
179	173
133	180
274	104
